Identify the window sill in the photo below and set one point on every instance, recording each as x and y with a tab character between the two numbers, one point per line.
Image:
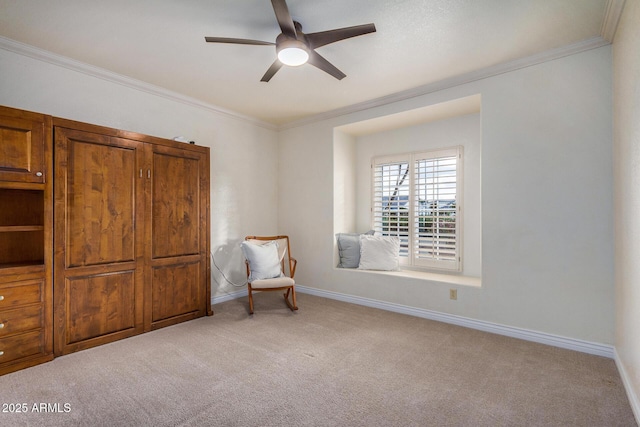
450	279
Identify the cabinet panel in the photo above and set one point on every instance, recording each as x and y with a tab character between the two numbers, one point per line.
22	146
99	239
100	305
177	265
176	204
176	290
15	147
101	201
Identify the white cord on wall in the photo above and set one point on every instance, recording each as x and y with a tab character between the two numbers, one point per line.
223	275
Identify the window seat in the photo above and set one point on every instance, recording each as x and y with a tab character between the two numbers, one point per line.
450	279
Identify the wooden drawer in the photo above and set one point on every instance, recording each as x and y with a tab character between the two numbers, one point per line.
22	345
20	320
20	293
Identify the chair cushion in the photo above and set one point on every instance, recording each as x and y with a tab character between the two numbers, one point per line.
278	282
264	262
379	253
349	249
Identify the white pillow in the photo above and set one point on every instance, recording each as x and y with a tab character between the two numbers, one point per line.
264	262
379	253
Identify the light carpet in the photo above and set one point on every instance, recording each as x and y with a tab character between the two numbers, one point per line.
329	364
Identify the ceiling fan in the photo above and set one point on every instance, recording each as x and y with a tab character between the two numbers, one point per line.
294	47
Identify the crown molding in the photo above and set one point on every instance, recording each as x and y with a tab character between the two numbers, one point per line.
81	67
611	19
549	55
610	23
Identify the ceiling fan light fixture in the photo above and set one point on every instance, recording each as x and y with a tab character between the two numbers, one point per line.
293	53
294	48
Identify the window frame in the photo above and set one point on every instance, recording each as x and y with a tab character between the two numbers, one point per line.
414	259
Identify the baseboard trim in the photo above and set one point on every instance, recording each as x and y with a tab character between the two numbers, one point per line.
228	297
626	381
510	331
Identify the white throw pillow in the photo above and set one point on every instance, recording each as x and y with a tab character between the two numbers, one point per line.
264	261
379	253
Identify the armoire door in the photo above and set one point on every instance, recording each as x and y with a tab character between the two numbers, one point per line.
99	239
22	145
177	263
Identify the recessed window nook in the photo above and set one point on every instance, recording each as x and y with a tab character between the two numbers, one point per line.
447	124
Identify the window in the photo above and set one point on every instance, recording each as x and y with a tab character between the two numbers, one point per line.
417	197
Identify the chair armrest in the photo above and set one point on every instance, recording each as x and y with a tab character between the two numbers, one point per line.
292	266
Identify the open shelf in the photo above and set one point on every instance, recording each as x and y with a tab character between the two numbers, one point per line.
21	207
22	247
21	228
21	267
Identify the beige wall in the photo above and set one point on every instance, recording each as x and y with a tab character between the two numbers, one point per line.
244	156
626	65
547	205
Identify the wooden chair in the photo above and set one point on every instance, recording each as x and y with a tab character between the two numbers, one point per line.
288	269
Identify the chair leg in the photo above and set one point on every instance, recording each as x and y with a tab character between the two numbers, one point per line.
291	304
250	299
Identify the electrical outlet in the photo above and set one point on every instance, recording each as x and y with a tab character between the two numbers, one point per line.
453	294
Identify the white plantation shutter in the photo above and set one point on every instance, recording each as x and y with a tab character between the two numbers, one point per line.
417	197
436	206
391	189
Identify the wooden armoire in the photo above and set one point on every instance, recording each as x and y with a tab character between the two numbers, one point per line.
131	234
104	234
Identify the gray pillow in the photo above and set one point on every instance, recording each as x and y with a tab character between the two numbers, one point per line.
349	249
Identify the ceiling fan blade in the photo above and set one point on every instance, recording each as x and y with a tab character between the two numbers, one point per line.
318	61
325	37
236	41
284	18
271	71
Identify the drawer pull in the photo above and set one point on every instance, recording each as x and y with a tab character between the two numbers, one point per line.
1	297
1	325
1	353
38	173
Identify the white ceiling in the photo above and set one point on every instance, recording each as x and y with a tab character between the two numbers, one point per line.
417	43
